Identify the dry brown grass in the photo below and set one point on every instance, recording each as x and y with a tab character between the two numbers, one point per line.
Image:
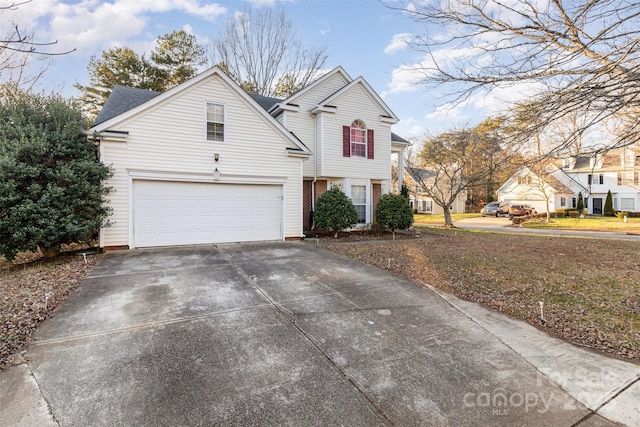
590	288
31	289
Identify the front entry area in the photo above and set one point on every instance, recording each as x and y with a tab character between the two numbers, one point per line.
597	206
169	213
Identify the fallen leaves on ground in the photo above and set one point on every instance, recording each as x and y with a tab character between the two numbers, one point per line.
590	288
31	289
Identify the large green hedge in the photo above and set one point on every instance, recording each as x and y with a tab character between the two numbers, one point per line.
52	185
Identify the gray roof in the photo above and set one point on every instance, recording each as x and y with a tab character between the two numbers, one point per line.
265	102
121	99
398	138
420	175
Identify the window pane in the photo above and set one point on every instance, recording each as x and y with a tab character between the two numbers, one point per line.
359	194
362	214
626	204
215	131
359	199
215	113
358	150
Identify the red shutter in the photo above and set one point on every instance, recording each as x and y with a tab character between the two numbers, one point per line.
369	143
346	141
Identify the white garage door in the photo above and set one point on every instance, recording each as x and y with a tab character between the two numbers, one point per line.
186	213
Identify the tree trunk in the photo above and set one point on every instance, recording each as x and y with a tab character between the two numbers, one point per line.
448	222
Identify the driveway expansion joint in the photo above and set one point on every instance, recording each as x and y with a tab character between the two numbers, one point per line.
290	317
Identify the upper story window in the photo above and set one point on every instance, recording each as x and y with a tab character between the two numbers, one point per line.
215	122
524	180
358	139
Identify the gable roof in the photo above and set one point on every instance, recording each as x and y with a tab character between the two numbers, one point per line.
550	179
419	174
135	101
338	70
265	102
388	114
122	99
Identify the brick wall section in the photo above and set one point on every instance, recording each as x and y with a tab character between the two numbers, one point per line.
376	189
306	204
320	188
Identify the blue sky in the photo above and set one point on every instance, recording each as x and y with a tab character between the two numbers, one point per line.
360	35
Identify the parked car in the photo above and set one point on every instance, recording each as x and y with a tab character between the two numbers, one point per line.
521	210
495	209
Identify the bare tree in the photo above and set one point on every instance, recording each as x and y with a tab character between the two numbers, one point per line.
18	50
581	56
261	52
463	160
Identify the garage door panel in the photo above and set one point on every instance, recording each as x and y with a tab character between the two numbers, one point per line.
180	213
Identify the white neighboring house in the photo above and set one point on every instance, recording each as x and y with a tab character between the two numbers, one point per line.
592	175
204	162
420	201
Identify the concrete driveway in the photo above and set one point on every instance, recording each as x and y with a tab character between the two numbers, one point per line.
290	334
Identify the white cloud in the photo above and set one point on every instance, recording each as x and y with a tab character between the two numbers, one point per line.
398	43
91	25
261	3
407	78
409	128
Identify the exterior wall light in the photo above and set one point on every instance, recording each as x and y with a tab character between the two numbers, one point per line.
216	175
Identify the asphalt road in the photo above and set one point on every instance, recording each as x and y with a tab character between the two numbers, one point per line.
504	225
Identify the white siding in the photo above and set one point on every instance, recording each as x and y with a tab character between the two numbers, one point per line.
356	104
321	91
170	139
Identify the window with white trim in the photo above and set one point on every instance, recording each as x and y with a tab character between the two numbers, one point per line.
627	204
215	122
358	139
563	202
359	200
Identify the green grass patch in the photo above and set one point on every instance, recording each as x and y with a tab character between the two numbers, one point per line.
589	223
438	219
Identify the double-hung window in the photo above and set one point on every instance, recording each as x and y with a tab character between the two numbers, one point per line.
215	122
359	200
358	139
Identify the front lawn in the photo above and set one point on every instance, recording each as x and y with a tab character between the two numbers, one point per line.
590	288
589	223
438	219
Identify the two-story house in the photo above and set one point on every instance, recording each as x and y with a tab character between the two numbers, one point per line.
347	127
420	201
204	162
593	175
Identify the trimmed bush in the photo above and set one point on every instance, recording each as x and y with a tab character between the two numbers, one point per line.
393	211
580	205
335	211
608	205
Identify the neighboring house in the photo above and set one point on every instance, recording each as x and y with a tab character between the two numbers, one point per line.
206	163
420	201
549	188
592	175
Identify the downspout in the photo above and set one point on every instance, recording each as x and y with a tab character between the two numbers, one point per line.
315	165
